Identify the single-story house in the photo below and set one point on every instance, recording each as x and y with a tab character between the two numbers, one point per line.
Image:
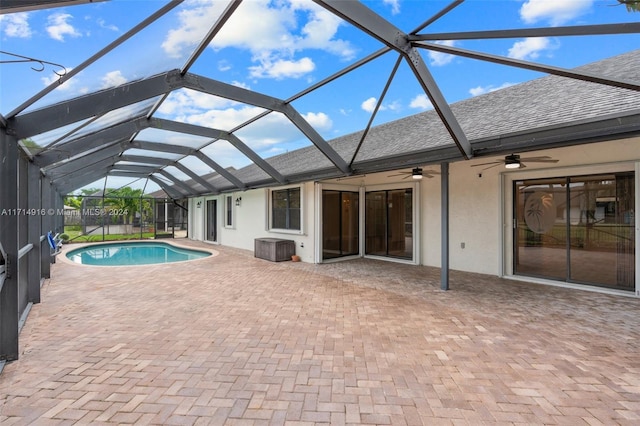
565	216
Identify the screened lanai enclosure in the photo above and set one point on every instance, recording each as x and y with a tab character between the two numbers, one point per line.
106	217
157	102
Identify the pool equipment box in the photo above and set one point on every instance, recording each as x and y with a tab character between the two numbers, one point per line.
274	249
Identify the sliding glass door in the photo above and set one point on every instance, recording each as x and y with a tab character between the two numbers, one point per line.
389	223
541	246
340	224
577	229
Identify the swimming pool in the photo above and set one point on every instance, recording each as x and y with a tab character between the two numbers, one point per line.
132	253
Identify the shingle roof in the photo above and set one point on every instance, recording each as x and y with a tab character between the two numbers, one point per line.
526	107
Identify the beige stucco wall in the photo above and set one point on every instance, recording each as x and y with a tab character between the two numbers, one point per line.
479	204
250	221
480	207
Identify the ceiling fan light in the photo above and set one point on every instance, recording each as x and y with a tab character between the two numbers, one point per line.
416	173
512	161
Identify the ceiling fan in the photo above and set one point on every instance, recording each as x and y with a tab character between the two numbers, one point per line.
514	161
417	174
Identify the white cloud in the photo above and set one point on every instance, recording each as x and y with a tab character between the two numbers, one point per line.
240	84
318	120
421	102
438	58
58	26
530	48
274	38
281	68
54	78
480	90
193	24
264	136
395	6
224	65
184	102
393	106
369	105
223	119
16	25
113	79
103	24
556	12
319	32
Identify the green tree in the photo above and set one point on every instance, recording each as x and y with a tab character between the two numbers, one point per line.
124	199
73	201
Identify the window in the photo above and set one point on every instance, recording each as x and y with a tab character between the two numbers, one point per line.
285	209
228	219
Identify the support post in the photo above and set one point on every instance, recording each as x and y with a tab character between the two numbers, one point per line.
444	224
9	239
34	231
47	225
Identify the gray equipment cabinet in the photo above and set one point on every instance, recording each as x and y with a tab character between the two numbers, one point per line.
274	249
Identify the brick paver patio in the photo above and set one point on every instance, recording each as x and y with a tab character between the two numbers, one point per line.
238	340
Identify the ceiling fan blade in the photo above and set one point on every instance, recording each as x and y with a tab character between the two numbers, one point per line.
490	167
399	174
486	164
539	160
540	157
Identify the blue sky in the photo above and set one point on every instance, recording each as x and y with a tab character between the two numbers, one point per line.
281	47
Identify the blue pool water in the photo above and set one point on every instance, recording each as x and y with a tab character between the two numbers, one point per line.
132	253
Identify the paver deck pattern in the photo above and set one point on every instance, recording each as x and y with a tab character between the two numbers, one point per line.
236	340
